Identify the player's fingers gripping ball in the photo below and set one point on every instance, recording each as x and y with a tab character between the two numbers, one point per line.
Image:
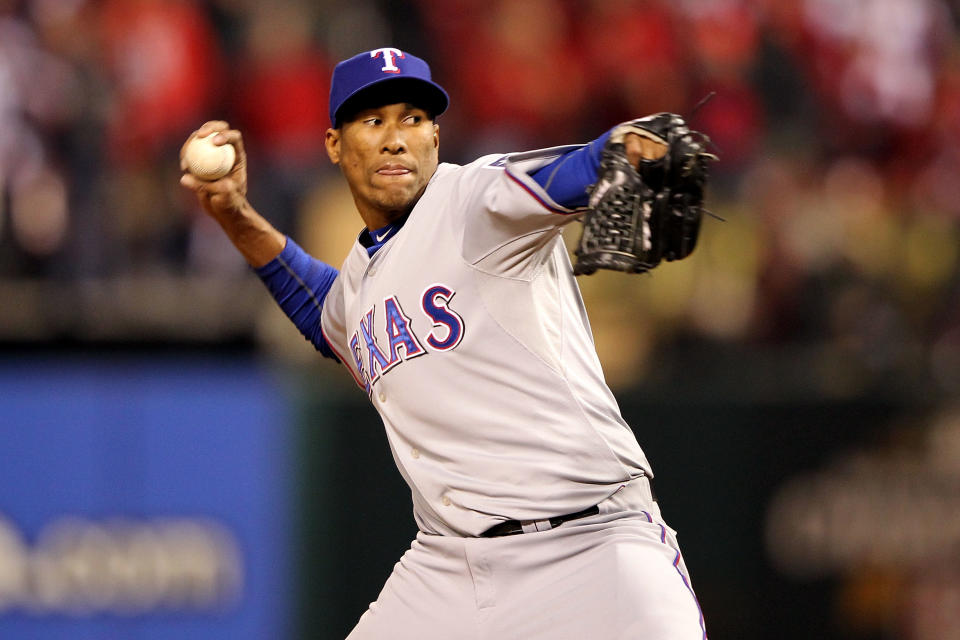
209	161
641	215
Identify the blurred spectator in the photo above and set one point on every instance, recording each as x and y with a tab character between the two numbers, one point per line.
165	66
281	106
724	47
162	62
284	85
517	84
35	89
874	63
636	57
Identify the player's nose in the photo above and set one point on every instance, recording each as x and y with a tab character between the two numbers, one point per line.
393	140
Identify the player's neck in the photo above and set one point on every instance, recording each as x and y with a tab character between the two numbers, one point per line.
380	219
376	217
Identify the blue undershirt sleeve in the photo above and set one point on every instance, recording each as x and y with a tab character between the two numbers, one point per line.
299	283
566	179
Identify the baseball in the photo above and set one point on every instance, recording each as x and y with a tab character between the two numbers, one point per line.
208	161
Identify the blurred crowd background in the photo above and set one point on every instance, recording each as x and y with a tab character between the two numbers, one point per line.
829	276
838	123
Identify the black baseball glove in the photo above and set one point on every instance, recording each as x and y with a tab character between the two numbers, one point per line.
639	216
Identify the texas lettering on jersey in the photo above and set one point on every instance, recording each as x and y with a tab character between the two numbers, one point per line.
386	338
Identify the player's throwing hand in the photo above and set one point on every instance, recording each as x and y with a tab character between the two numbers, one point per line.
225	199
226	195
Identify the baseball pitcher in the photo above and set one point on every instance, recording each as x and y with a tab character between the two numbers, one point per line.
458	314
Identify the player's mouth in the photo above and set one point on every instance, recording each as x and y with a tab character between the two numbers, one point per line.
394	169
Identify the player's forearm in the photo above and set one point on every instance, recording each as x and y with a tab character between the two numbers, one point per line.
254	237
300	283
566	179
224	195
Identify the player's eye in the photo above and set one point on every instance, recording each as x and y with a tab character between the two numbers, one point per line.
413	119
372	121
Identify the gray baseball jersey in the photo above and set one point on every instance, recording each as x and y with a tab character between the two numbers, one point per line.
468	332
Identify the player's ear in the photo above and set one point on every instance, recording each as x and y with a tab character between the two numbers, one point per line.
436	135
332	143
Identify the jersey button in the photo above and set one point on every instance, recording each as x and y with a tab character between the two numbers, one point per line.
382	397
415	452
372	271
446	501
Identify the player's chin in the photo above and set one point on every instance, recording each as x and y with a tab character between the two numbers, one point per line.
399	193
396	199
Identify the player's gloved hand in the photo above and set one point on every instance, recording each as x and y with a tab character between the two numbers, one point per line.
646	205
227	196
640	148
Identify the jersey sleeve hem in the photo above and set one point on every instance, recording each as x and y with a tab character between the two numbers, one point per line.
519	166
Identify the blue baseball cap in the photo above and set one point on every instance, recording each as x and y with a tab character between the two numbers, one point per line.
383	76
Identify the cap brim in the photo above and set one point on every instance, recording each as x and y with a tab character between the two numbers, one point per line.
416	91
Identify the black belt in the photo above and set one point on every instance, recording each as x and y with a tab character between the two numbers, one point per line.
513	527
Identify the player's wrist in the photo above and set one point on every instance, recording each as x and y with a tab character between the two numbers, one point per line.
261	246
236	210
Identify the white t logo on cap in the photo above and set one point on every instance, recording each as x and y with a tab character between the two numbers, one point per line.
389	55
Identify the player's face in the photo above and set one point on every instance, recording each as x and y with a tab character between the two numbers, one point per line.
387	154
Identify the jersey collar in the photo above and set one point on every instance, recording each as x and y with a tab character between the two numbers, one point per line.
373	240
